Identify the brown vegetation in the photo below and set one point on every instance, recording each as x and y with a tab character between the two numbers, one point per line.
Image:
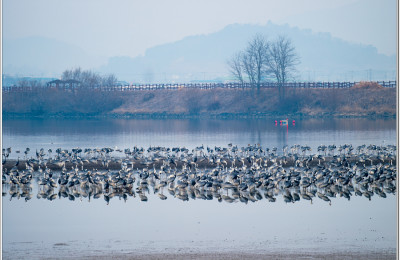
56	102
367	85
359	101
302	102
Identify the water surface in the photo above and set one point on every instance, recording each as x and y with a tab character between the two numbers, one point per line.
121	133
40	227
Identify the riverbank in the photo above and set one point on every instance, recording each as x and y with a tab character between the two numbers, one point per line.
356	102
272	116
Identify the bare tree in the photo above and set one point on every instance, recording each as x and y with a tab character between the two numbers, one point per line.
75	74
251	62
249	68
257	51
262	59
66	75
89	78
28	82
236	66
281	61
110	80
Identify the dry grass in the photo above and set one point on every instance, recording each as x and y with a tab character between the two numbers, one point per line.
367	85
364	99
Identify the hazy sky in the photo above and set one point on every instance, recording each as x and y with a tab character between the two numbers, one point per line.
117	28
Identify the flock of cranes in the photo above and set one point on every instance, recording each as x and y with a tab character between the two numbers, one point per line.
229	174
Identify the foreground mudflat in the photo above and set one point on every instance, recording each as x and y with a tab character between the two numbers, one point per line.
186	253
232	256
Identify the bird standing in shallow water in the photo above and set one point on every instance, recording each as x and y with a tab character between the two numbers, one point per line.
295	175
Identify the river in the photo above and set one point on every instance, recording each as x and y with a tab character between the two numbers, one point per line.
40	228
68	134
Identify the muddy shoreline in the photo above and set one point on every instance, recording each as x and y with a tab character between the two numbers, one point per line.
197	116
240	256
381	254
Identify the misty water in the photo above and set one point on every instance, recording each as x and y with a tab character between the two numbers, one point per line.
68	134
40	227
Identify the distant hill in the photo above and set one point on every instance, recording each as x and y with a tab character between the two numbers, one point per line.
203	57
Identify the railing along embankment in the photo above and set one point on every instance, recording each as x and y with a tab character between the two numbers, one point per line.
172	86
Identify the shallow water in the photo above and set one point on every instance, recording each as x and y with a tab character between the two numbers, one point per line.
358	224
39	227
121	133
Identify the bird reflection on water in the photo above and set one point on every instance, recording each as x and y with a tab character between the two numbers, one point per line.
229	174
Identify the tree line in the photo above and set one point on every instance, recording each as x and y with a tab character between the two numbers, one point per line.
86	79
89	78
263	60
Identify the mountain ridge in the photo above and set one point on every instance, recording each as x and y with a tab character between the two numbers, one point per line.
203	57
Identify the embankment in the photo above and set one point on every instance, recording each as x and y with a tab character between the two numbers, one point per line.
364	101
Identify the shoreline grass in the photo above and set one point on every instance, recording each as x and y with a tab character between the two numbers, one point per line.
355	102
